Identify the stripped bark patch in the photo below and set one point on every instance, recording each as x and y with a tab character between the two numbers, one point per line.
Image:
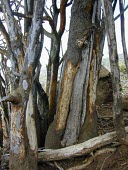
64	101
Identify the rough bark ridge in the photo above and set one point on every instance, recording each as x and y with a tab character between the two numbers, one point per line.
80	106
23	140
79	26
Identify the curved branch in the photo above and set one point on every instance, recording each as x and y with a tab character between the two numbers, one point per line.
48	34
51	23
62	16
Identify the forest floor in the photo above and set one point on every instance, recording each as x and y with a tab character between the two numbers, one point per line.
117	160
111	157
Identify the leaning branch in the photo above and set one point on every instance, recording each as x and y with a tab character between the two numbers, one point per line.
62	16
78	149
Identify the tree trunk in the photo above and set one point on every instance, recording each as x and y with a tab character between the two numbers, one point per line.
76	115
23	139
81	112
113	56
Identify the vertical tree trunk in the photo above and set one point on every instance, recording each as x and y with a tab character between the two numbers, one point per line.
113	56
23	139
54	55
122	20
76	114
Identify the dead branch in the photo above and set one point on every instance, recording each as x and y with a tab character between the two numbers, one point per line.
77	150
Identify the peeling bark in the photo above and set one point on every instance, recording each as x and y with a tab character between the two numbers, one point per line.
82	121
23	140
65	96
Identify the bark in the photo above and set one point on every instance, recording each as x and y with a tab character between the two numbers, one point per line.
113	56
76	114
123	34
23	139
54	56
28	10
79	21
43	108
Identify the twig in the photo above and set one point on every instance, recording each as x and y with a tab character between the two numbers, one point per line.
58	166
106	159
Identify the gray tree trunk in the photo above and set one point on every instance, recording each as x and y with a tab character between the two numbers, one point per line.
76	119
113	56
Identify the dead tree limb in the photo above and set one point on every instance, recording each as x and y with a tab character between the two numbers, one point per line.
78	149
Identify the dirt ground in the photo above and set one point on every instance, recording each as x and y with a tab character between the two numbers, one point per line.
112	157
117	160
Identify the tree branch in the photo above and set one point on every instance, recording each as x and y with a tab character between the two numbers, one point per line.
12	98
78	149
3	52
51	23
62	16
121	13
48	34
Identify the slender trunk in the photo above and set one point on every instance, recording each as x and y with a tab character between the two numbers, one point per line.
113	56
123	34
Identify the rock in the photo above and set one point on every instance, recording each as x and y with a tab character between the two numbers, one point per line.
104	87
125	102
53	139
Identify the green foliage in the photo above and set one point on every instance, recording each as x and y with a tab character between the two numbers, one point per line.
123	68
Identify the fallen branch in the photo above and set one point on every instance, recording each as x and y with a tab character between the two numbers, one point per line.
78	149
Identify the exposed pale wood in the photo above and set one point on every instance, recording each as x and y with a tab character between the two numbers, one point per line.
64	100
78	149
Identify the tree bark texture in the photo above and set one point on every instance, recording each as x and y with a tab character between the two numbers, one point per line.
113	56
54	55
76	102
23	139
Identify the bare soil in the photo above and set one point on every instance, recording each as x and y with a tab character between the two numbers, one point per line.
116	157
